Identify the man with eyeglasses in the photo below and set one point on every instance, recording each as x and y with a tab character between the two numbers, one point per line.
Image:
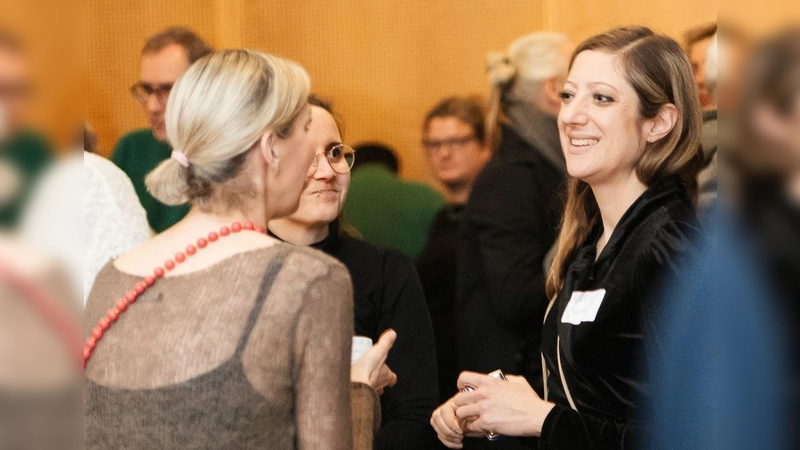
24	154
454	141
165	57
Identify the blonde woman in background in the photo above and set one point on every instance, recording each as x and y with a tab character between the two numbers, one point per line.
234	340
511	218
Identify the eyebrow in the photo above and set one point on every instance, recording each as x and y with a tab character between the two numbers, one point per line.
332	144
594	84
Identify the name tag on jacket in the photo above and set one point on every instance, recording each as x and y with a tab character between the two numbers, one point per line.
583	306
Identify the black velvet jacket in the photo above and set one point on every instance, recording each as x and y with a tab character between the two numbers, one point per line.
603	359
388	294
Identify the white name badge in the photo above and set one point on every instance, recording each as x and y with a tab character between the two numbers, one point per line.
583	306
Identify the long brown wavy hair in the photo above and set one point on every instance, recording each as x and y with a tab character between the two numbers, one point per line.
660	73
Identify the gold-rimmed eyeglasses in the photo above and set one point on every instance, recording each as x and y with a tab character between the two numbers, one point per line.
341	158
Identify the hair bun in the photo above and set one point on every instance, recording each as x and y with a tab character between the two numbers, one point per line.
499	69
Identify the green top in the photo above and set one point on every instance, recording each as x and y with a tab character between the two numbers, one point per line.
23	158
391	212
138	153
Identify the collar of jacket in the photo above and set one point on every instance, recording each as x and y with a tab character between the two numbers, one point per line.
659	194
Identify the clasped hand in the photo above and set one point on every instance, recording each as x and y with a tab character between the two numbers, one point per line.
508	407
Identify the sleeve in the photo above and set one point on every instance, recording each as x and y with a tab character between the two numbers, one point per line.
366	415
322	343
510	211
658	265
567	429
407	407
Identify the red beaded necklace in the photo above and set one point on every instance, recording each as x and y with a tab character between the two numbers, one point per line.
130	297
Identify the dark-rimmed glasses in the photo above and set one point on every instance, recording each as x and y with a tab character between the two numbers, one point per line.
452	143
141	92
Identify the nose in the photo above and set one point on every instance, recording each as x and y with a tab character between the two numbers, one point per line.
152	104
574	112
321	167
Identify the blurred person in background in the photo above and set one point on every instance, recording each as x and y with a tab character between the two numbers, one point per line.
630	127
707	178
385	209
386	288
697	41
512	215
767	169
97	210
24	154
165	57
453	137
40	338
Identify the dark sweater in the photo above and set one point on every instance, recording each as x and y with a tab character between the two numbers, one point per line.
437	271
387	294
137	154
27	155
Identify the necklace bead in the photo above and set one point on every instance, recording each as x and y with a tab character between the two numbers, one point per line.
121	305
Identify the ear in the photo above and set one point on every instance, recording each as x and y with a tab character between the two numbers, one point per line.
660	125
486	151
266	147
552	89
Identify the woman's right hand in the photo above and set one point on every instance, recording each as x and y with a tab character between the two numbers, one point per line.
370	368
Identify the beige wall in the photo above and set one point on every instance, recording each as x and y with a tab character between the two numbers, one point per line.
52	33
383	63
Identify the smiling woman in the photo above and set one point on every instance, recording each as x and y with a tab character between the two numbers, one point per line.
386	288
629	126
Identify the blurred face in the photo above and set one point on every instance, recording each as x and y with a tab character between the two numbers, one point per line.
295	154
14	90
697	56
454	152
602	135
780	130
324	191
160	70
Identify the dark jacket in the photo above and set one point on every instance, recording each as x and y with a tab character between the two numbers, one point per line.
437	271
511	221
602	357
387	294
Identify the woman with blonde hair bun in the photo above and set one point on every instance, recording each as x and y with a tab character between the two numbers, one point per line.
630	131
212	334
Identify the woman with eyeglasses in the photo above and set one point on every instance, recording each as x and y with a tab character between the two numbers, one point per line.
386	288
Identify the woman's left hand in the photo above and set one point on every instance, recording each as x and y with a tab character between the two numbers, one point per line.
509	407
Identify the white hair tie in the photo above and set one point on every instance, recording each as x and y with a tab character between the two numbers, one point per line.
499	69
180	157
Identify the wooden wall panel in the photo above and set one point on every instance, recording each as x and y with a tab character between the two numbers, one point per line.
383	63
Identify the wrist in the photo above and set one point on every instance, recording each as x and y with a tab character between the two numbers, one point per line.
537	417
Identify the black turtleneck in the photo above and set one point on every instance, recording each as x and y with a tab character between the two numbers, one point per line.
388	294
